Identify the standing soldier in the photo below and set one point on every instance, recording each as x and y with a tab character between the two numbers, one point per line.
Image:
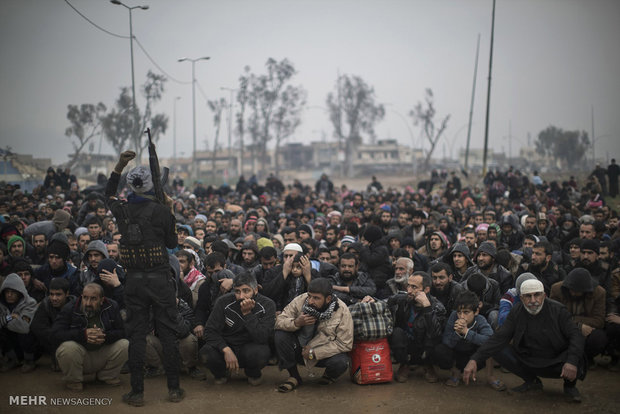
148	227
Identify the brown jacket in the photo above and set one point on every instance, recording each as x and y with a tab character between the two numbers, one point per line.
594	305
333	336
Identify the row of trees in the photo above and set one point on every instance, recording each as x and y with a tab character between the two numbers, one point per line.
269	106
123	125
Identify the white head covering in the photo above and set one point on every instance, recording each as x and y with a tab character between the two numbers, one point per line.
532	286
293	246
139	179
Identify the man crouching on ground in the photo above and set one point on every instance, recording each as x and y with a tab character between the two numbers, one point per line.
316	328
238	332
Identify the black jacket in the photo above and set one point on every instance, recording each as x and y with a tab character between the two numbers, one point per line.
227	326
568	342
71	323
43	321
427	326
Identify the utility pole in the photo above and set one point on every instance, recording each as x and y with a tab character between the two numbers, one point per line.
471	106
486	128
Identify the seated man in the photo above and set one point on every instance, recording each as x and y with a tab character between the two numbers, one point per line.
444	288
464	332
16	312
110	276
46	314
285	282
23	269
418	326
350	285
91	336
316	328
238	331
58	266
403	268
538	338
188	345
586	302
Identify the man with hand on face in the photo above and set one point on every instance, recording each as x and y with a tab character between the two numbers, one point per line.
538	339
418	326
315	329
238	331
350	285
285	282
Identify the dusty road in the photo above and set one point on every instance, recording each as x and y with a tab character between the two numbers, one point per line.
600	393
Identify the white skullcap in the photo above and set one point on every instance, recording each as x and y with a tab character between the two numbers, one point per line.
293	246
532	286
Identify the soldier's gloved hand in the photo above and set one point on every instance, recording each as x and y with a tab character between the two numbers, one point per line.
124	159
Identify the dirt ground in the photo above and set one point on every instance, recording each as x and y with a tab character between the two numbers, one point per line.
599	391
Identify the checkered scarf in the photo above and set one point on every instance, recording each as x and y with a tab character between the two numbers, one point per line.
321	316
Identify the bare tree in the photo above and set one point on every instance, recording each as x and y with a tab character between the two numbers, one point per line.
424	116
353	110
85	123
216	107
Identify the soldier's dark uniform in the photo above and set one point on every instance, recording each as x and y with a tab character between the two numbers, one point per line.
149	282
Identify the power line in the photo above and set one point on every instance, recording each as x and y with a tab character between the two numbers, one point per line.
157	66
95	24
127	37
202	92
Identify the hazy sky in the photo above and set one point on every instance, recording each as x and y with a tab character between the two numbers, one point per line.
553	62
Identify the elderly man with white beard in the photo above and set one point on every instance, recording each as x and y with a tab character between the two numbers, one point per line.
538	339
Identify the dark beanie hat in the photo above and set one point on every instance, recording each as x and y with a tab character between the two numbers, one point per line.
477	283
488	248
20	265
588	244
106	264
59	248
579	280
306	228
373	233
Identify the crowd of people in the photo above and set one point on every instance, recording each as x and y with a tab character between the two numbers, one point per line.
518	272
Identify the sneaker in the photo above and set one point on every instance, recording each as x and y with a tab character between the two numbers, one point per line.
571	394
221	381
134	398
430	375
402	374
197	374
255	381
176	395
152	372
113	382
28	366
534	385
75	386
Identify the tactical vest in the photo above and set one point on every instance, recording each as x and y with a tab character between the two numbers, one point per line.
140	247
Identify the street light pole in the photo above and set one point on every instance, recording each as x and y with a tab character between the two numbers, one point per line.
230	103
174	131
193	61
133	82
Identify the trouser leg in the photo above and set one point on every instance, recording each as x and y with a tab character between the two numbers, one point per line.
153	353
399	345
253	358
509	360
215	361
188	349
110	359
137	327
288	349
444	356
335	365
596	343
70	356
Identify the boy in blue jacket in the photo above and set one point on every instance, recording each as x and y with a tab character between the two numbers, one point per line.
464	332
